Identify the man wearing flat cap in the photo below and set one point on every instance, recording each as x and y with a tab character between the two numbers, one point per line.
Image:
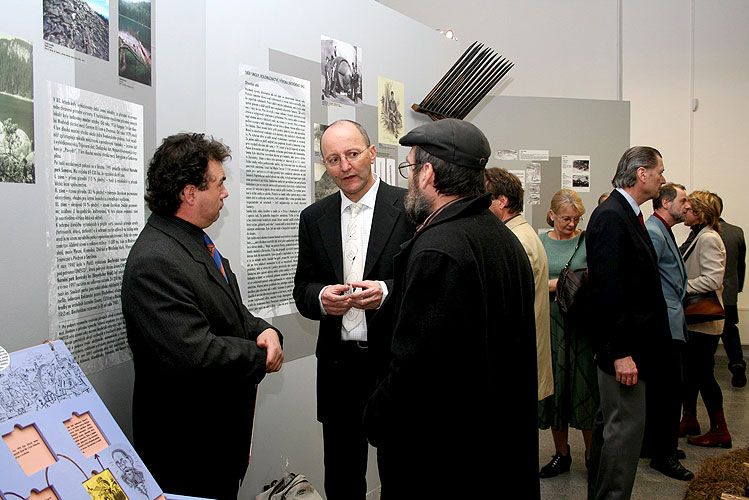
463	334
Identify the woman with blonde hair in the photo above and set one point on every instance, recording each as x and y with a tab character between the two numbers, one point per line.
705	258
575	399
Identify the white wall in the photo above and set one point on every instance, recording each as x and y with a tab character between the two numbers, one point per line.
670	52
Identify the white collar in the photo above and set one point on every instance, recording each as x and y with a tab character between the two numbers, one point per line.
369	198
631	200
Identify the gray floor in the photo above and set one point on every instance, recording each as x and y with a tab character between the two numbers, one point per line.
650	484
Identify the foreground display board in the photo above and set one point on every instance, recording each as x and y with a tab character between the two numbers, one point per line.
59	440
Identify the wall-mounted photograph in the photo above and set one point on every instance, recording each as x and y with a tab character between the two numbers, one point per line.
134	17
81	25
16	110
390	108
341	75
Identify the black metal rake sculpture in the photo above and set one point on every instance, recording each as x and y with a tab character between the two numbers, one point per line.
472	76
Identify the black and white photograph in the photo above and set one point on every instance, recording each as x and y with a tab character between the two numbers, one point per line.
317	131
580	181
81	25
576	173
581	166
134	57
507	154
16	111
341	72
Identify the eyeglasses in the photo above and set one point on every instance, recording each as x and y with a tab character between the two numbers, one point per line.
567	219
405	166
351	156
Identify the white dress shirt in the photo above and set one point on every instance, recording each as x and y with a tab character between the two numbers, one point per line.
366	214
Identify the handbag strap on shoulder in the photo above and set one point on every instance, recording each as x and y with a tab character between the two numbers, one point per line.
579	241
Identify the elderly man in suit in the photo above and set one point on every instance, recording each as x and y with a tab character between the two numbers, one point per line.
630	314
663	396
344	272
198	352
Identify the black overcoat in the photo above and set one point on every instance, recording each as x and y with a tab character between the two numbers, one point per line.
460	394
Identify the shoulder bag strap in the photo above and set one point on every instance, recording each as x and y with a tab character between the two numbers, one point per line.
580	240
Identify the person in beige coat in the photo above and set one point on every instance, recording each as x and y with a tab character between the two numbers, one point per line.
705	258
507	203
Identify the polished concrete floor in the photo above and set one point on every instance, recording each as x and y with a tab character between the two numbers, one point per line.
651	484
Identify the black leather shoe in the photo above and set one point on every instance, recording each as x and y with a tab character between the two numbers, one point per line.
672	468
738	371
559	463
679	454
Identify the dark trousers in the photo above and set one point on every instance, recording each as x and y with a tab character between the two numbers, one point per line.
345	384
346	451
617	438
699	371
731	338
663	403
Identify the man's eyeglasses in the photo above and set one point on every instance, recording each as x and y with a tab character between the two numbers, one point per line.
404	167
351	156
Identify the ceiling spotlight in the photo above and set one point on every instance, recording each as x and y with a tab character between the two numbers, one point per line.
449	34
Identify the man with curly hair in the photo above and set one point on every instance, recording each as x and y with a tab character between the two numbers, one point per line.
198	352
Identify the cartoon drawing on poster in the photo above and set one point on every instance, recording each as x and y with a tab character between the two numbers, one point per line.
390	110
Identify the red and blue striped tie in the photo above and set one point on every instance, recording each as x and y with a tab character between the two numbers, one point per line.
216	256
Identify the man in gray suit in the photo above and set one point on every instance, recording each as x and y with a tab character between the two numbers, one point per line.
733	284
663	396
198	352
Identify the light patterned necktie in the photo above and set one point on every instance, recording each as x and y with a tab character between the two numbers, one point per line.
353	265
216	256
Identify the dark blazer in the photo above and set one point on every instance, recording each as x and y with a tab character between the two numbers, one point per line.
627	304
733	283
195	357
320	263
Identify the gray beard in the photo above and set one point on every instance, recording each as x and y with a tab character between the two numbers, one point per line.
417	205
678	217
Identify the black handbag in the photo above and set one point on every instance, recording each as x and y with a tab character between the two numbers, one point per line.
702	307
571	285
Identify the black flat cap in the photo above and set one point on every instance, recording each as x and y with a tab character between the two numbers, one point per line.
455	141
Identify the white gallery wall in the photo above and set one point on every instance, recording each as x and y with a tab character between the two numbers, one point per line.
660	55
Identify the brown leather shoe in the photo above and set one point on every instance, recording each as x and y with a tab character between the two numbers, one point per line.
689	426
717	436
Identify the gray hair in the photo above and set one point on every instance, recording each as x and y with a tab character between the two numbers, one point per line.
632	159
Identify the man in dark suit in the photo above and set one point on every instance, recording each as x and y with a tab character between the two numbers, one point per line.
365	221
733	284
632	327
197	350
663	395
